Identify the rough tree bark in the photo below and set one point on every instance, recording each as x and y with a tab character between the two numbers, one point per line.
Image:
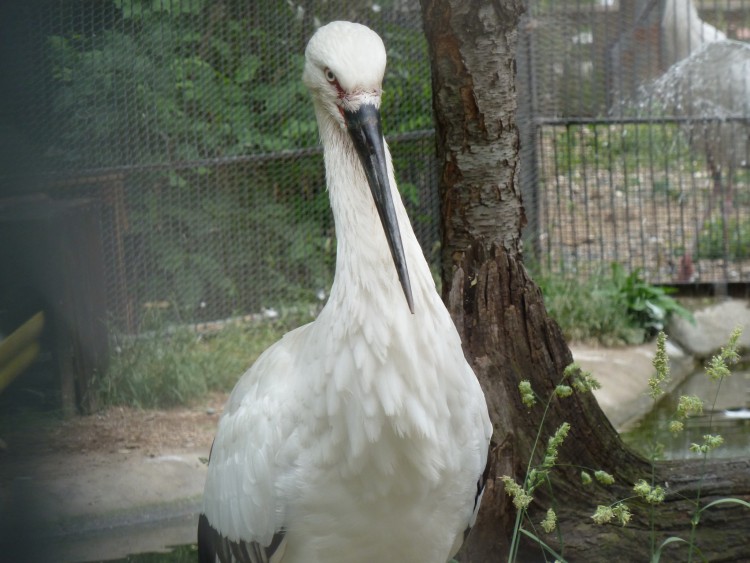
508	335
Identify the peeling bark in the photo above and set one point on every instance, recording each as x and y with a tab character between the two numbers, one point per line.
508	335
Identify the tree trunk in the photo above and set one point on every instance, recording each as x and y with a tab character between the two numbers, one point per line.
508	335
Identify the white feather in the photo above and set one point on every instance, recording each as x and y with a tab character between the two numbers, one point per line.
363	433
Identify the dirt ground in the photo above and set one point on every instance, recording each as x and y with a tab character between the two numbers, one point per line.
116	429
102	486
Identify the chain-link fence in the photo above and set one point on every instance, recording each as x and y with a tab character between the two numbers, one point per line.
187	121
636	123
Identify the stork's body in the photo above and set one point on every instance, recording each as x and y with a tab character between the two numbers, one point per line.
362	436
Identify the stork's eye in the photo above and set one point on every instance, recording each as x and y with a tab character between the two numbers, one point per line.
329	75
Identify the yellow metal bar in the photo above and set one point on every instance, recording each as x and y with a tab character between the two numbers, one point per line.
16	366
21	338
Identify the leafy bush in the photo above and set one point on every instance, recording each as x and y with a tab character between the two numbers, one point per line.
178	81
177	365
176	91
585	310
613	308
648	306
221	250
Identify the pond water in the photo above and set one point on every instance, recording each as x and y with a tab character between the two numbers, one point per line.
729	417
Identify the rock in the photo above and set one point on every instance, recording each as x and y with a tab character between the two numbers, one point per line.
624	374
712	328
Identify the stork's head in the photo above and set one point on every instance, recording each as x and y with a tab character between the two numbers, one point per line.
344	67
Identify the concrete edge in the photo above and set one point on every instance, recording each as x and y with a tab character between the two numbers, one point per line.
132	517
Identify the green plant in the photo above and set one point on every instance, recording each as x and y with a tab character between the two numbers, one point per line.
221	246
647	305
586	309
615	307
171	365
538	470
192	80
648	490
720	238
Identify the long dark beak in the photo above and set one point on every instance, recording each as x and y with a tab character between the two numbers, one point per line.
367	134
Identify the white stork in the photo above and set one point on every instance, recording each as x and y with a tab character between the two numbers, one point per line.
362	436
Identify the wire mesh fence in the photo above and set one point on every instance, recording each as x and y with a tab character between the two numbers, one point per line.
188	122
636	137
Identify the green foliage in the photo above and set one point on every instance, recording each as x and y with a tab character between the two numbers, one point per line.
587	309
239	242
648	306
184	80
538	472
179	81
407	87
720	238
189	89
177	365
619	308
648	495
625	145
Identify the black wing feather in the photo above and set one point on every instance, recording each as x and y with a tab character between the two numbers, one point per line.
481	482
215	548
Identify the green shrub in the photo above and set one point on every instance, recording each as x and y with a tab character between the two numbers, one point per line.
177	365
612	307
585	309
648	306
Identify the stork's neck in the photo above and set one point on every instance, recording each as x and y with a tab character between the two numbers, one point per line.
364	266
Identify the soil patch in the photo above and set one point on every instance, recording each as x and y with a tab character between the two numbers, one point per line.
113	430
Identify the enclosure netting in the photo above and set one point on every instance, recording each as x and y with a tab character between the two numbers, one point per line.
187	121
635	135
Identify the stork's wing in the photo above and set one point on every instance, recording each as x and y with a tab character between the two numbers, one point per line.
481	482
244	502
483	422
215	548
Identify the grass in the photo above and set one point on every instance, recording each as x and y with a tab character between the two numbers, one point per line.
181	554
586	310
716	240
538	472
610	307
168	365
178	365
